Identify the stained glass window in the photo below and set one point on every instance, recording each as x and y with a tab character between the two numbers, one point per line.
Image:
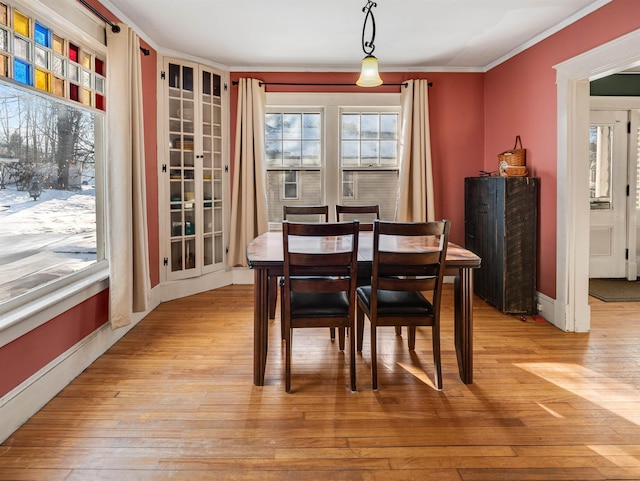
21	24
34	55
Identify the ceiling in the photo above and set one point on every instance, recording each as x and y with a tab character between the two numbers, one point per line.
306	35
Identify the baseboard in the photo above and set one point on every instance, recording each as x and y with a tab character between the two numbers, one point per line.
171	290
547	309
22	402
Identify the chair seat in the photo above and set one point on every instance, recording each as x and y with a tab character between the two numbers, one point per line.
326	304
397	303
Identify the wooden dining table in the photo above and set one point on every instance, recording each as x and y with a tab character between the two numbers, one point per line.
265	257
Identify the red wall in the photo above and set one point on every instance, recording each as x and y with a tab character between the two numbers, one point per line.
457	126
520	99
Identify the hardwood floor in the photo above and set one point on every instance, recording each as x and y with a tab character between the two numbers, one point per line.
175	400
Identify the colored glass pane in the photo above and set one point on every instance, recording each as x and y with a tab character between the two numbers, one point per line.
74	72
86	97
43	80
100	102
99	84
21	71
4	64
86	79
99	67
58	45
86	60
21	24
58	86
59	64
42	35
4	40
74	92
21	48
3	14
74	52
42	57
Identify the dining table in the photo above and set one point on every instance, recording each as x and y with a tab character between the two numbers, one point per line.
265	257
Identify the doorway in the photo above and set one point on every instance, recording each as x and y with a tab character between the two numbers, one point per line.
571	306
612	193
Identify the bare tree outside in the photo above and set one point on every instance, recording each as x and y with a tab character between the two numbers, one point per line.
47	189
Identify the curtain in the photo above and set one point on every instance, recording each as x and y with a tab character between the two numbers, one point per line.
249	201
128	245
415	189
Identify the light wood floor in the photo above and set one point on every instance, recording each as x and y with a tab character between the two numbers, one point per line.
175	400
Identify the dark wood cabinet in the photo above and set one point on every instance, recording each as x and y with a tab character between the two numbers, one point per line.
501	219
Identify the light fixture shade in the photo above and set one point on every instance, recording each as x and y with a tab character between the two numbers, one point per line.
369	76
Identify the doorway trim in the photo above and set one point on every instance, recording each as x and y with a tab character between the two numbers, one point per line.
571	307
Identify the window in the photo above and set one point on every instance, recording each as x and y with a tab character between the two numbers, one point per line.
294	159
369	159
331	149
600	158
51	132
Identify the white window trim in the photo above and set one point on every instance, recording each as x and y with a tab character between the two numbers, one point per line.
332	104
24	313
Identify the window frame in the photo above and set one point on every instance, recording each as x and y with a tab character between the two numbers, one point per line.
37	306
332	105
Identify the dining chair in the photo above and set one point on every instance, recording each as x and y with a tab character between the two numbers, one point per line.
299	213
319	281
408	262
356	212
366	213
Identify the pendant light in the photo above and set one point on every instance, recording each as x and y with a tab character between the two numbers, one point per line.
369	76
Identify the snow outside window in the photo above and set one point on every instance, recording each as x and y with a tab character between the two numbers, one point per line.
50	178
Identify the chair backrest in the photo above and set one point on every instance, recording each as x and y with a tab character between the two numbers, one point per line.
409	256
365	214
306	213
320	257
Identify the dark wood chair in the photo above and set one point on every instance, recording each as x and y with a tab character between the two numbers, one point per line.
365	214
298	213
319	284
408	262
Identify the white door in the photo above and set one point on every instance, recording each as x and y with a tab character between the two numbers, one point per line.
608	191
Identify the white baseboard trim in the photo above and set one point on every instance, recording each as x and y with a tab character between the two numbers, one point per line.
171	290
22	402
547	309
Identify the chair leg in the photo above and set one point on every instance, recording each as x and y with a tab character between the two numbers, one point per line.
341	336
398	330
437	363
282	326
352	360
332	333
287	364
412	337
374	357
273	296
360	328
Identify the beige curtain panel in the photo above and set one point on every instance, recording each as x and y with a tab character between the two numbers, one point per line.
128	245
415	189
249	197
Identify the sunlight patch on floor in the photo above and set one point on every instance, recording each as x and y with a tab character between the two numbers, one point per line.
622	399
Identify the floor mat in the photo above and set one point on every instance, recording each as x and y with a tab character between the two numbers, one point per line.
615	290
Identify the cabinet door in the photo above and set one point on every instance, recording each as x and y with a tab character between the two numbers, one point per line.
181	111
196	170
211	161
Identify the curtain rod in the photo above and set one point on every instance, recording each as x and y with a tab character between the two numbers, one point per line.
114	28
404	84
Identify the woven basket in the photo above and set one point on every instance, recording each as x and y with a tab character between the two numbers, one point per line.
515	157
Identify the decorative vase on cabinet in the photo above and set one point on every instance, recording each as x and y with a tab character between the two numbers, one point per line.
194	169
501	227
